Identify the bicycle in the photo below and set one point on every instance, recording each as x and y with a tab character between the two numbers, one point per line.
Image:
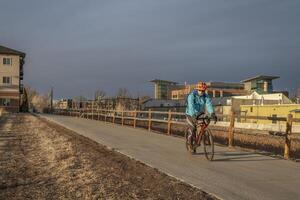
204	135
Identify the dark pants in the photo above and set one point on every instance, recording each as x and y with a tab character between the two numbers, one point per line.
191	123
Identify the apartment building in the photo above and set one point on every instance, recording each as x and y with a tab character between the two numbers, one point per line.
11	79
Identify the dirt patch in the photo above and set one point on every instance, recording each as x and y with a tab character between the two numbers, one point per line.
41	160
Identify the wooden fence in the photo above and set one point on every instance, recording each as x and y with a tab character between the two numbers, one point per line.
171	118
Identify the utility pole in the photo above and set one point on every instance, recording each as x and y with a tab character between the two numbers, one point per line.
51	100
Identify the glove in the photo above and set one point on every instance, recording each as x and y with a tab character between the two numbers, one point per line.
199	115
214	117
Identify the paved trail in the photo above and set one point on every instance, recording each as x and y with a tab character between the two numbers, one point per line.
233	174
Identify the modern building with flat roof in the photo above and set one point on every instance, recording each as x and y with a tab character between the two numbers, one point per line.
260	83
11	78
215	89
162	88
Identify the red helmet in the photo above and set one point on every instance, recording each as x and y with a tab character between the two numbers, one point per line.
201	86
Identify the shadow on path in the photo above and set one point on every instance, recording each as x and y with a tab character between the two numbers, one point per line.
237	156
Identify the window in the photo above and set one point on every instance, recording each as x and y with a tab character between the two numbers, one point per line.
7	61
6	80
4	102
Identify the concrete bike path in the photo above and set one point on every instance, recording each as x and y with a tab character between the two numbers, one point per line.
233	175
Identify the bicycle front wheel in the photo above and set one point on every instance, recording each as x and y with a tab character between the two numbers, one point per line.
208	143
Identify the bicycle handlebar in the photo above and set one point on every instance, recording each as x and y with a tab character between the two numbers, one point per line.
206	118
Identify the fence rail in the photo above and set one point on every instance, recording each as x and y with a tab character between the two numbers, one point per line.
171	118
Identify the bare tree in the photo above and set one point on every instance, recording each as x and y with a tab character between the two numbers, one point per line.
36	101
142	99
40	102
123	92
24	101
79	98
30	94
99	95
296	95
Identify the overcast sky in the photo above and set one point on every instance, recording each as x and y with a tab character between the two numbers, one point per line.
78	46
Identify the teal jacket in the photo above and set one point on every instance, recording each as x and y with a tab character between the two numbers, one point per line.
196	104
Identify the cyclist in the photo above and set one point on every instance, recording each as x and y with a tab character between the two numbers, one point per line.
197	101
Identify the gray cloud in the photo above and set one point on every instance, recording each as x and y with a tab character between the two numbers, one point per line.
79	46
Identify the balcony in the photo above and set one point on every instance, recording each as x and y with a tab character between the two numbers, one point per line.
21	88
21	73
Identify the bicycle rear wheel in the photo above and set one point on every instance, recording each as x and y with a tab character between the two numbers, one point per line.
208	143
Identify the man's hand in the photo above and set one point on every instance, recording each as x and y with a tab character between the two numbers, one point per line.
199	115
214	117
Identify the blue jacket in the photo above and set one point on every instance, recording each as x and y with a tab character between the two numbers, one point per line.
196	104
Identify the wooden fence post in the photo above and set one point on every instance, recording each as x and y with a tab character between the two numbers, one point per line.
92	110
114	117
288	132
231	130
169	122
122	119
134	119
149	120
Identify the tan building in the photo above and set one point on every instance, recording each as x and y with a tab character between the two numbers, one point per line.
260	83
163	88
11	79
63	104
215	89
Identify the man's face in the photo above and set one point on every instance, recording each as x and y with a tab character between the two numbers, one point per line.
200	92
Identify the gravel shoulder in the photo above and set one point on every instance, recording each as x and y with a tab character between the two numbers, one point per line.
42	160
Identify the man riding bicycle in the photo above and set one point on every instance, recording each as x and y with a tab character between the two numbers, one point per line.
197	101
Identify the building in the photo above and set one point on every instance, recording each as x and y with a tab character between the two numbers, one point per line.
11	79
164	105
63	104
257	99
214	89
260	83
295	113
270	111
119	103
163	88
178	105
260	99
113	103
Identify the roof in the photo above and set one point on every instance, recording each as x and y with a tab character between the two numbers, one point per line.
295	111
260	77
273	97
159	80
6	50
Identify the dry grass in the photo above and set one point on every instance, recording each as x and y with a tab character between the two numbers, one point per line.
41	160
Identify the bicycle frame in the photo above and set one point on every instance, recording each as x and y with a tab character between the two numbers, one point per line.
203	125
